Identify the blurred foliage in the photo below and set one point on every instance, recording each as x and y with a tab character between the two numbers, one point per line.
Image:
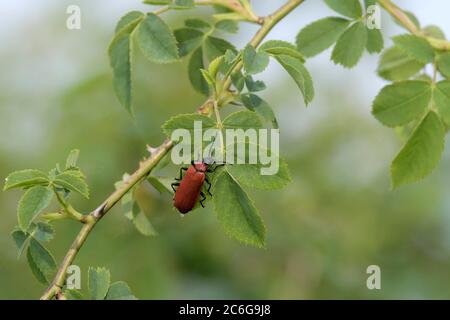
337	217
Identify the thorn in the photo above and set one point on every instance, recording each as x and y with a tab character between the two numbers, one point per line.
151	149
141	163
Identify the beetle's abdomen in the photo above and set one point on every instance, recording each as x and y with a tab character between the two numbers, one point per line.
188	192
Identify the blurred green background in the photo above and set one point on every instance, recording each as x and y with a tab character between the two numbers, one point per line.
336	218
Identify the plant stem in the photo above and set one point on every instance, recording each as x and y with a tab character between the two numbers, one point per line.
68	209
268	23
147	166
403	18
161	10
233	5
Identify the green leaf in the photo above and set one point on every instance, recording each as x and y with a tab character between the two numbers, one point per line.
434	32
375	41
242	120
229	56
350	45
396	65
255	103
421	153
320	35
158	2
230	26
251	175
98	283
255	61
196	64
443	63
415	47
300	75
278	47
441	97
216	47
186	121
73	294
42	231
120	291
208	77
197	23
72	158
412	17
25	178
140	221
35	270
31	204
182	4
400	103
348	8
120	54
129	21
214	66
73	182
21	239
156	40
120	59
254	86
41	261
188	40
238	80
368	3
162	184
236	211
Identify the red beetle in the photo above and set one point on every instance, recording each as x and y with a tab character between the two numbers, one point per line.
190	186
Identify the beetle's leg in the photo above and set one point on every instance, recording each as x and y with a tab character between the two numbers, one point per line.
202	199
173	185
181	173
209	186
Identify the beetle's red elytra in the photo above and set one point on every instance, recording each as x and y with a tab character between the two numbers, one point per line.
190	186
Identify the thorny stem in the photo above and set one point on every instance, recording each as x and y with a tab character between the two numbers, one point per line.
146	166
403	18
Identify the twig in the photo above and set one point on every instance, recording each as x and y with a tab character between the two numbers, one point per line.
146	167
403	18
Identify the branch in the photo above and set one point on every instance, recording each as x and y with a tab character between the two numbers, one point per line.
147	166
404	20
